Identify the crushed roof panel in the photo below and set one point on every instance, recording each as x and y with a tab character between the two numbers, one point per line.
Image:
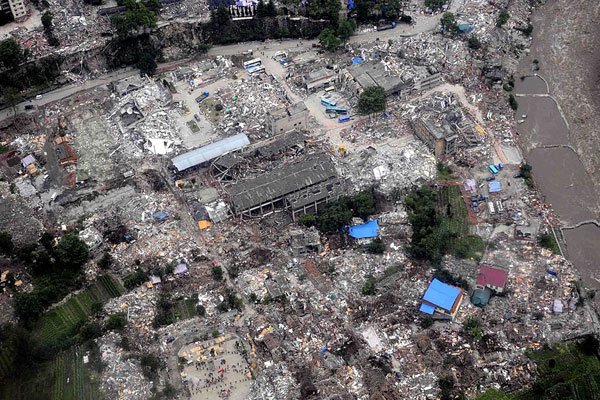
281	181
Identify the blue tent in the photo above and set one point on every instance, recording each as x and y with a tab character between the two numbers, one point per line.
365	231
441	295
494	186
357	60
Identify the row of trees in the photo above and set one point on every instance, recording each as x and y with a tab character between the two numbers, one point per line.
56	271
340	213
49	29
330	39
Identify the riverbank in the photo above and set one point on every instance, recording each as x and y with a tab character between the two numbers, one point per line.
559	137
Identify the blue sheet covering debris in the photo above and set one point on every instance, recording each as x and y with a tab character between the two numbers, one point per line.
364	231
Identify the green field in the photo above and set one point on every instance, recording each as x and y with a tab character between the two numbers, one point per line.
63	320
452	204
64	378
184	309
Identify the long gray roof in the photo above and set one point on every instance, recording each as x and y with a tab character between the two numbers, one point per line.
281	181
208	152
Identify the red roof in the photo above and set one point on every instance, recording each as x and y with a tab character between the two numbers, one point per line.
491	276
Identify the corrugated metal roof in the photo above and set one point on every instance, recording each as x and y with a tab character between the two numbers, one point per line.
441	295
209	152
281	181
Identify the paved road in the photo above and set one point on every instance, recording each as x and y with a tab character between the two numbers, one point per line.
269	47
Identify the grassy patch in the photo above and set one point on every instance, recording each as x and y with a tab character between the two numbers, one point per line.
185	308
444	172
193	126
63	320
548	241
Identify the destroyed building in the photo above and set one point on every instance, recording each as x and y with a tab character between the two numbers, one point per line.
357	77
442	140
318	79
287	119
300	187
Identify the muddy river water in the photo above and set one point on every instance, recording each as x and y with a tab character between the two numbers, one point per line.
560	175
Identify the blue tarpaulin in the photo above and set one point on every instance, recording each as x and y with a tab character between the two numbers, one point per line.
441	295
494	186
365	231
350	4
427	309
357	60
465	27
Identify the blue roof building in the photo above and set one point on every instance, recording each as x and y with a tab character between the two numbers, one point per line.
441	300
368	230
494	187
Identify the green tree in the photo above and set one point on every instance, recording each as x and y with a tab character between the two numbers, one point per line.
474	42
270	9
261	11
325	9
146	64
372	100
153	5
91	330
116	322
363	204
502	18
47	21
328	40
71	252
11	54
435	4
308	220
217	273
528	30
28	308
220	17
449	23
334	217
345	30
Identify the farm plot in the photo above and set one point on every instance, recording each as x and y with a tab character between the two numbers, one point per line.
61	321
451	204
64	378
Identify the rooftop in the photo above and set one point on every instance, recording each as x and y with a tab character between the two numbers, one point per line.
491	276
441	295
374	74
281	181
285	112
209	152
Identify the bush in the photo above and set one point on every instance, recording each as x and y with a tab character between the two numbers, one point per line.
502	18
426	322
135	279
474	42
150	365
217	273
71	252
116	322
528	30
369	288
308	220
512	101
548	241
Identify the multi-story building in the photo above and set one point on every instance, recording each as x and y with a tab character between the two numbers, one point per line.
288	119
12	9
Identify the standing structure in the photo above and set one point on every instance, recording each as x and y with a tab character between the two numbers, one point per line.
287	119
12	8
440	139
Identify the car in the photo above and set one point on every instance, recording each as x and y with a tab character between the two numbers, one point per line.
29	106
38	97
196	117
490	178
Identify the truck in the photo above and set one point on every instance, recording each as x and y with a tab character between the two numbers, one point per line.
202	97
493	169
383	26
344	118
328	103
491	208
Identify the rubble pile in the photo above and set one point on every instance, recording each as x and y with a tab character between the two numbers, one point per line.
122	378
393	166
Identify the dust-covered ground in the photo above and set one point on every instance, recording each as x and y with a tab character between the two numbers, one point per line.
566	35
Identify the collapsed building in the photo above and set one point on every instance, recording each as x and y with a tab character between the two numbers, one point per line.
301	187
209	152
357	77
440	139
